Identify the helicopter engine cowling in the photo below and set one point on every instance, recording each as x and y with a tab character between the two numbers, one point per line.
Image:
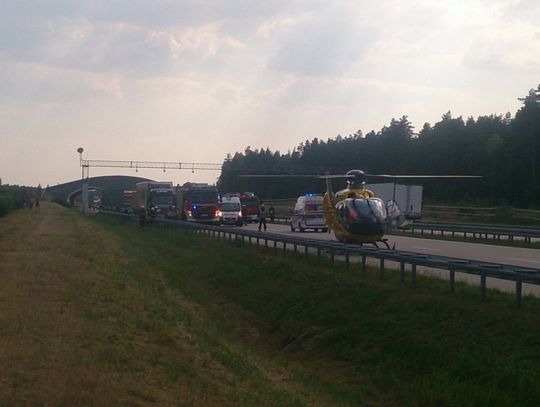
362	216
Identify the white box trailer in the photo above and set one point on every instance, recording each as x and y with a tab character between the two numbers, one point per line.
408	197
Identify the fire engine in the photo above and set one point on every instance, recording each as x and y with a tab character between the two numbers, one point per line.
198	202
250	207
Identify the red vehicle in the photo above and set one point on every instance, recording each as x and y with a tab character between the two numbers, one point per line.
250	207
198	203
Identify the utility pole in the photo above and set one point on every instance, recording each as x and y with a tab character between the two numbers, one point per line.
84	183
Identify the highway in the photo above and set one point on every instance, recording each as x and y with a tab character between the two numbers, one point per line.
472	251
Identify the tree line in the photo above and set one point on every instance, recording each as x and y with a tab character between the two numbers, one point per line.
15	196
502	149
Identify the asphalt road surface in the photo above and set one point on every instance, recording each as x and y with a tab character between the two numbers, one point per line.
471	251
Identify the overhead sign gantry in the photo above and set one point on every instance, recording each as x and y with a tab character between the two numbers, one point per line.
136	165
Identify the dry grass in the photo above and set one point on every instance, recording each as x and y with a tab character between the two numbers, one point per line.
51	354
73	332
85	322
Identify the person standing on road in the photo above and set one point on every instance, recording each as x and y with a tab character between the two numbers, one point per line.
262	217
271	213
142	217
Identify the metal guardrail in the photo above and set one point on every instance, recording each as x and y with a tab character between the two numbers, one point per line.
332	249
469	231
480	212
476	231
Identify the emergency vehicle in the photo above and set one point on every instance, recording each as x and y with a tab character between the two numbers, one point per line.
198	202
308	214
230	210
250	207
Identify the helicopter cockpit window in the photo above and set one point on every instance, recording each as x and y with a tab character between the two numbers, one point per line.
377	207
362	215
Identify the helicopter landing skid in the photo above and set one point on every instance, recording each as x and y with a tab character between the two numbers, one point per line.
377	242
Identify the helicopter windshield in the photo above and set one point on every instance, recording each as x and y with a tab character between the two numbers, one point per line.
362	216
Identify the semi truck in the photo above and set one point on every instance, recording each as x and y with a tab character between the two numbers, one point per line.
407	197
156	198
198	202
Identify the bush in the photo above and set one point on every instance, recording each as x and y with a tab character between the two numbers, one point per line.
7	203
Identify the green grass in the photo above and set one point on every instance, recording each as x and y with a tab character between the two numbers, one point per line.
358	340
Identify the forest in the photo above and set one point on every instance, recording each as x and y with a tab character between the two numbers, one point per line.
500	148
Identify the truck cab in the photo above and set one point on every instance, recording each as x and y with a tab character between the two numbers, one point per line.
230	210
250	207
198	202
308	214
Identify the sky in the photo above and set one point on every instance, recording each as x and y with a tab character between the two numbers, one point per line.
194	80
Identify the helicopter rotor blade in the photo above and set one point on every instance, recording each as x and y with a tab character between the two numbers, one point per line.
335	176
423	176
345	176
277	176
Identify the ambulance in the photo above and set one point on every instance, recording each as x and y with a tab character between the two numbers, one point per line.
230	210
308	214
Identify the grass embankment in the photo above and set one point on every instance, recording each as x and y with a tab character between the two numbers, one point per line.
97	311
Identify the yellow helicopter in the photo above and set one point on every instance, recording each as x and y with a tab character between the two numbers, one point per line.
355	214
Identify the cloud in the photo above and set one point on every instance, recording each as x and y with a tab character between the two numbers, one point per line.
512	46
79	43
321	47
270	27
32	83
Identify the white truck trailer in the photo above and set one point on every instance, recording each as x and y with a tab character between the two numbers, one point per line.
407	197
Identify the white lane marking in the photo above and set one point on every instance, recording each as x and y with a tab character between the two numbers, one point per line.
427	248
526	261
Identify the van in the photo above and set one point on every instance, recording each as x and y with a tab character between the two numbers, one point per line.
308	214
230	210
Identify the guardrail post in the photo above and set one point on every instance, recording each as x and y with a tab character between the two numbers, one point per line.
519	284
452	280
275	246
346	260
332	256
402	271
295	247
284	248
413	274
381	268
363	263
306	248
483	285
318	254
